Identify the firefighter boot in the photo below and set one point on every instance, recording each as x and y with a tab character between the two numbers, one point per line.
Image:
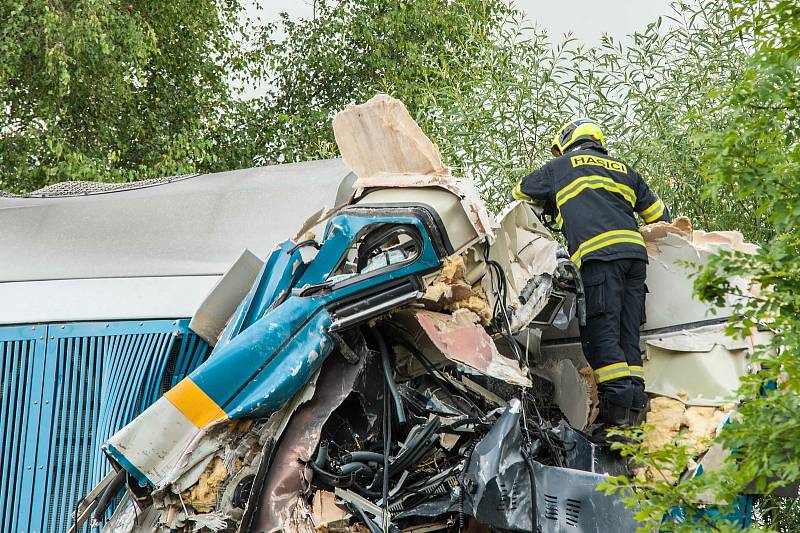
640	404
613	414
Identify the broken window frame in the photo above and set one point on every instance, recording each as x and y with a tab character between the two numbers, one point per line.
361	240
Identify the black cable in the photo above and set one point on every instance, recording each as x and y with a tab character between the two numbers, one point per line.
446	386
387	374
387	446
355	467
330	478
301	244
505	330
362	456
462	483
322	455
108	494
534	507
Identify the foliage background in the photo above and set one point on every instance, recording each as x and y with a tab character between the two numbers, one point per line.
704	103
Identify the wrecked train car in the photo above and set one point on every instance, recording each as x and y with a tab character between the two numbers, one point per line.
98	284
405	361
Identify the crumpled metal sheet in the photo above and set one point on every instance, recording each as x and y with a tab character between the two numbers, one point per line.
468	343
498	492
702	339
127	518
283	487
582	454
216	310
568	501
497	482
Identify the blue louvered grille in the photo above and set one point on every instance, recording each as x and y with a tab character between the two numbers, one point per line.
66	388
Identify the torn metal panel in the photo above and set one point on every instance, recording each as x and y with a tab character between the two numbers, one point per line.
213	314
700	367
462	341
582	454
443	204
476	212
702	339
522	245
568	500
128	518
498	491
287	478
575	391
671	300
497	480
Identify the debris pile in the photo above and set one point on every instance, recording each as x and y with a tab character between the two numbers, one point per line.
416	368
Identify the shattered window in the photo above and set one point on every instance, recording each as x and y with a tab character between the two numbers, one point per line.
381	246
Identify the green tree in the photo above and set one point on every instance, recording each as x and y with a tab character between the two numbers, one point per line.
499	124
112	90
351	50
755	155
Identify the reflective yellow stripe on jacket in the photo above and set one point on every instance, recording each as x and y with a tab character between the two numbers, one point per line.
653	212
579	185
609	372
605	239
517	193
636	371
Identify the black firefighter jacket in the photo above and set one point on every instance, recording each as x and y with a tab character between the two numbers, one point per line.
594	197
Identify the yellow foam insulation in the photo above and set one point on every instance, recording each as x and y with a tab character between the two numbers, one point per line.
694	426
665	416
701	240
587	374
450	291
652	233
202	496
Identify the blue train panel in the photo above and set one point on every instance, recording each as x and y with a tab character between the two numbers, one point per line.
66	388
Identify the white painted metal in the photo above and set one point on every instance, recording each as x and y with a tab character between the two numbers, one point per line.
154	251
194	226
74	300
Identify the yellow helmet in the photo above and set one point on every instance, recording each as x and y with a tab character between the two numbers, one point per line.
575	132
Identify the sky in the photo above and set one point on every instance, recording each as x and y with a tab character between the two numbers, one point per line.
588	20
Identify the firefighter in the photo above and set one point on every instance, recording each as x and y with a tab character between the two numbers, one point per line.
593	198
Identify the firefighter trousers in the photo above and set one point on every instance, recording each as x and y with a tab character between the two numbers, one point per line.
615	296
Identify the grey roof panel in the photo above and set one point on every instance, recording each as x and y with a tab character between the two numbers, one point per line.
195	226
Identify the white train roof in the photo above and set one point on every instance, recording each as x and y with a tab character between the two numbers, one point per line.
149	250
